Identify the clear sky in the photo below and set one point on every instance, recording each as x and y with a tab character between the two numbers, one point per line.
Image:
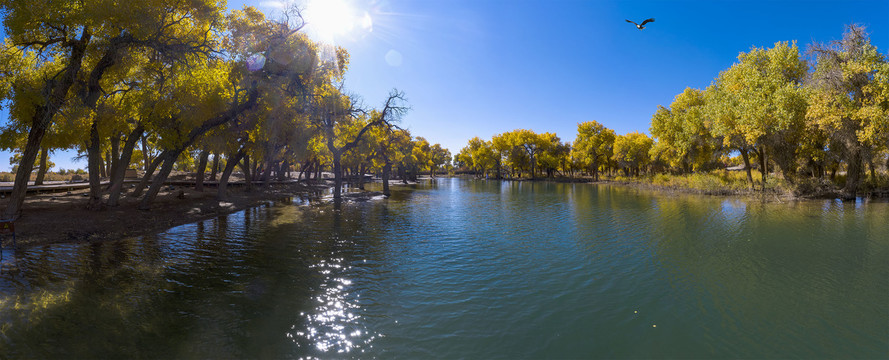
483	67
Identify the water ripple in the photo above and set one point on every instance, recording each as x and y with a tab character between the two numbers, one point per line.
477	269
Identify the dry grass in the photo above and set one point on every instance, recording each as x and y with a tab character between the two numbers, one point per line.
50	176
716	182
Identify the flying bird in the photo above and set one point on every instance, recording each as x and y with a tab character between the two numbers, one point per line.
642	25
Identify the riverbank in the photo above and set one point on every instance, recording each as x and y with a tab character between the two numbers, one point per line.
62	217
735	184
49	218
729	183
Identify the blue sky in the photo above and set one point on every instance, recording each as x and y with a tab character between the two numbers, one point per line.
483	67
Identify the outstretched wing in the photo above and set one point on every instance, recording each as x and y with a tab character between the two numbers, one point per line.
647	21
634	23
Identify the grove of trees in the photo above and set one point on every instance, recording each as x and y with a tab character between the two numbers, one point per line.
805	120
167	85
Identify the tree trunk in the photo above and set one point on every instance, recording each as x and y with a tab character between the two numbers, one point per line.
215	167
23	175
853	173
267	174
361	176
248	181
115	153
102	173
145	160
337	175
117	176
746	158
256	170
387	168
303	169
314	169
533	163
221	189
147	177
158	182
873	171
595	168
762	166
199	175
499	169
44	154
95	167
106	164
283	172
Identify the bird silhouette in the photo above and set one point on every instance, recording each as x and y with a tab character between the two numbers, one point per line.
642	25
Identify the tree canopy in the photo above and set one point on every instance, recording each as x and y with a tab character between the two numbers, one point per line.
790	116
186	80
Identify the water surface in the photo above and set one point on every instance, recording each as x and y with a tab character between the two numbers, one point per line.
469	269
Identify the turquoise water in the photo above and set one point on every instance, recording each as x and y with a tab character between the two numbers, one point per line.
470	269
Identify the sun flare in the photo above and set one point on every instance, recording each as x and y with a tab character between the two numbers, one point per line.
333	19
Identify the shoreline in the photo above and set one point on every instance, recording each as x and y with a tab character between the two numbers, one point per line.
53	218
62	218
767	195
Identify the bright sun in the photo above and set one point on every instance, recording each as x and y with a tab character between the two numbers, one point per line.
332	19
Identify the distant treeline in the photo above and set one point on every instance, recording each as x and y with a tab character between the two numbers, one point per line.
803	120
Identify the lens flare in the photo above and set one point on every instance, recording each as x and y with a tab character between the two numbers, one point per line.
255	62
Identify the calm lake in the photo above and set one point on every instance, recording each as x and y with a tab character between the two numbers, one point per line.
459	268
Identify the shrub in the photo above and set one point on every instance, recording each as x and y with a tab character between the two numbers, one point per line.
662	180
840	180
812	187
881	182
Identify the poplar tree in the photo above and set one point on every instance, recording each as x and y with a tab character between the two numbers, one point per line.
850	99
594	145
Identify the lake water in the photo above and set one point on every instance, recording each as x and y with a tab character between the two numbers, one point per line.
469	269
